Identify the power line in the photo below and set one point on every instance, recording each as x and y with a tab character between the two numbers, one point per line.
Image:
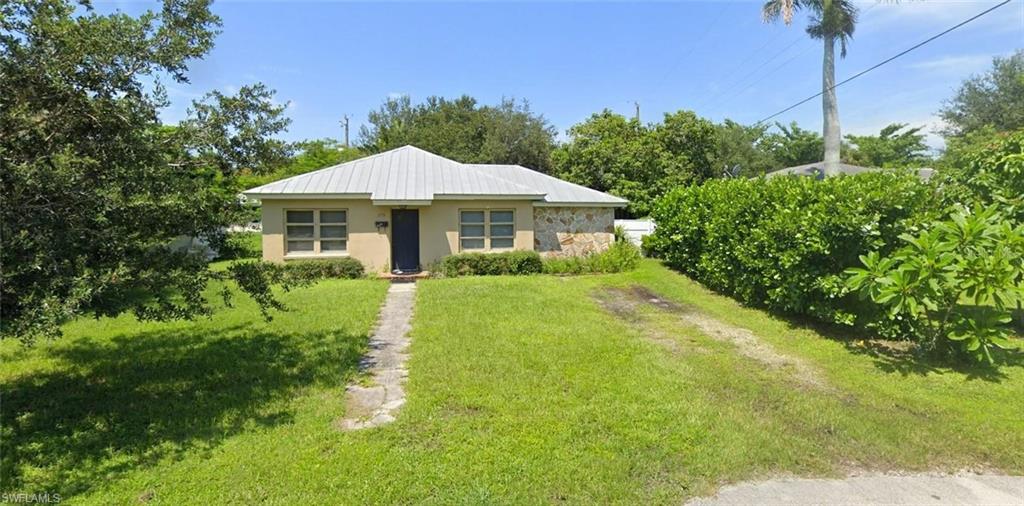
750	74
765	76
693	46
778	67
883	62
742	64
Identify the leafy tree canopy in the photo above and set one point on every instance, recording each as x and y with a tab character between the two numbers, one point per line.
793	145
743	147
638	162
310	155
94	188
994	99
896	146
461	129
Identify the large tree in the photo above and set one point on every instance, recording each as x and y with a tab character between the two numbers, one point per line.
463	130
610	153
830	21
793	145
94	188
994	99
896	146
740	150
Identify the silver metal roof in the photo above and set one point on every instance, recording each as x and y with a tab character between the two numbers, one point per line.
409	174
818	170
556	191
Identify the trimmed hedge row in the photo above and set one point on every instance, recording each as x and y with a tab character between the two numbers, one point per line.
783	243
491	264
620	257
334	268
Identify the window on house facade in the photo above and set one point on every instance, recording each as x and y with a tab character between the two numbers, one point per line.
486	230
315	231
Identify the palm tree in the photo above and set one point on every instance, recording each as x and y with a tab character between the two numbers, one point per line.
830	20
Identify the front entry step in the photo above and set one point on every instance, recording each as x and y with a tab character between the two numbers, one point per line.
405	278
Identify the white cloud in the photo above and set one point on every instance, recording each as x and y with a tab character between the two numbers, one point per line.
963	64
944	13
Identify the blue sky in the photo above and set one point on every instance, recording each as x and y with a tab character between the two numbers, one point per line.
571	59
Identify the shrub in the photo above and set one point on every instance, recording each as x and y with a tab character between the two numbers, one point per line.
313	270
241	245
955	282
620	234
985	168
783	243
491	264
620	257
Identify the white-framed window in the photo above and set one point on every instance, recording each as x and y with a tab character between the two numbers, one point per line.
486	230
315	231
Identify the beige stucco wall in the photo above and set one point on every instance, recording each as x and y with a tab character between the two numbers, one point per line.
439	227
569	231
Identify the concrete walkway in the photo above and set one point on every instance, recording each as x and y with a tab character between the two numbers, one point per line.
970	489
374	404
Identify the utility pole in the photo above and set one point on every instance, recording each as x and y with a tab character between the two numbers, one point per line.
344	122
637	106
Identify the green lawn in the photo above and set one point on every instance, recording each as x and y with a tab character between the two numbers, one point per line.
520	390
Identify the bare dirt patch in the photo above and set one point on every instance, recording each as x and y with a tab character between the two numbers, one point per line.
627	309
623	302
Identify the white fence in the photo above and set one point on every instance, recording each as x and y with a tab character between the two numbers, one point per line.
636	229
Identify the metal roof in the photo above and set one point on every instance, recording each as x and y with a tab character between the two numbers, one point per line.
818	170
410	174
556	191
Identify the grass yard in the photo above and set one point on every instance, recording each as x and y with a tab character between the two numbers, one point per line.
521	390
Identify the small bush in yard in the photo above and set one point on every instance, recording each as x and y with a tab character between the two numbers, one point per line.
620	257
241	245
313	270
953	285
783	243
491	264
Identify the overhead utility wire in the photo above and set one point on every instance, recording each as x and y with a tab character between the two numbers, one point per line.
700	40
883	62
750	74
778	67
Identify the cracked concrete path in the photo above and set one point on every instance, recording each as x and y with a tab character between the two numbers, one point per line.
971	489
374	404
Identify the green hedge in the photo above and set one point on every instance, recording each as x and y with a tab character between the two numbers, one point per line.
620	257
491	264
241	245
313	270
783	242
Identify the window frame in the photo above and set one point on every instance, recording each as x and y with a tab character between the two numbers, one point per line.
317	250
487	237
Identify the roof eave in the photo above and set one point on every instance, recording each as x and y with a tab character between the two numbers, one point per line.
272	196
581	204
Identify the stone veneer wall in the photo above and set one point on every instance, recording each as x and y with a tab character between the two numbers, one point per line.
569	231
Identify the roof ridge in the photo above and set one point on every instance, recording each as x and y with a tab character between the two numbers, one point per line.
337	165
484	174
548	176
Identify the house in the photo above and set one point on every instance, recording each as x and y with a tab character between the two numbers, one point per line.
404	209
817	171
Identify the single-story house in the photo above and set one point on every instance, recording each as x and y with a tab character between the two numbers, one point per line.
817	171
404	209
